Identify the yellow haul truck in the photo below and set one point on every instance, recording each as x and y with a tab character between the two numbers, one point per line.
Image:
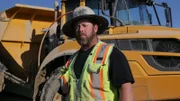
33	48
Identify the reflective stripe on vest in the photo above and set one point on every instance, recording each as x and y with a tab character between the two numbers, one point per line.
70	59
67	63
96	80
64	85
64	82
63	78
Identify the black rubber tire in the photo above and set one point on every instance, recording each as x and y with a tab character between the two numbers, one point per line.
2	67
51	86
2	70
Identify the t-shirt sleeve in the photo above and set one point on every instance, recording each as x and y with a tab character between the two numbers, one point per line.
119	69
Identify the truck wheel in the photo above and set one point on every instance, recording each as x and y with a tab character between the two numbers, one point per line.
51	87
2	70
2	67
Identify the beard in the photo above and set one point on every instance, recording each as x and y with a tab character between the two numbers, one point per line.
85	40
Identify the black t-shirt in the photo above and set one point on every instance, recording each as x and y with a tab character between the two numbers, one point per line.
119	70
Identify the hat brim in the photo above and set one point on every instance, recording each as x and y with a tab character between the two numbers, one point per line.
68	28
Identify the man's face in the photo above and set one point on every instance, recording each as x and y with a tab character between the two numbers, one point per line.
85	32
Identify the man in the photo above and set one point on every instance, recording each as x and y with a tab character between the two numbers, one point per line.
98	71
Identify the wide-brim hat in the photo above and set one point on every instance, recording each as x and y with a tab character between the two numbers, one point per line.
84	13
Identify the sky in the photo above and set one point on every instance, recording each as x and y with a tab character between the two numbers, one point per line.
174	4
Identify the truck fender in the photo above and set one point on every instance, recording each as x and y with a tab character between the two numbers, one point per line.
41	75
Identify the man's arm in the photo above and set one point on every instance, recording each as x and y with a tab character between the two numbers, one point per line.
126	93
120	75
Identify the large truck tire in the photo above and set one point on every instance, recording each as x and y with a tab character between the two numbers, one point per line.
1	81
50	90
2	70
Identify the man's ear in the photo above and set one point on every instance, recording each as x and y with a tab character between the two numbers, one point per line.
96	28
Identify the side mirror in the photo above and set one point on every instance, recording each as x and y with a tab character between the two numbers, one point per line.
167	12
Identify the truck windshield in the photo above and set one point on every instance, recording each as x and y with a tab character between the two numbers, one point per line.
130	12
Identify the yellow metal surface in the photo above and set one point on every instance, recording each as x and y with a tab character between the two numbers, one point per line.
136	68
164	87
140	89
63	11
82	2
67	48
137	56
135	29
21	35
156	88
